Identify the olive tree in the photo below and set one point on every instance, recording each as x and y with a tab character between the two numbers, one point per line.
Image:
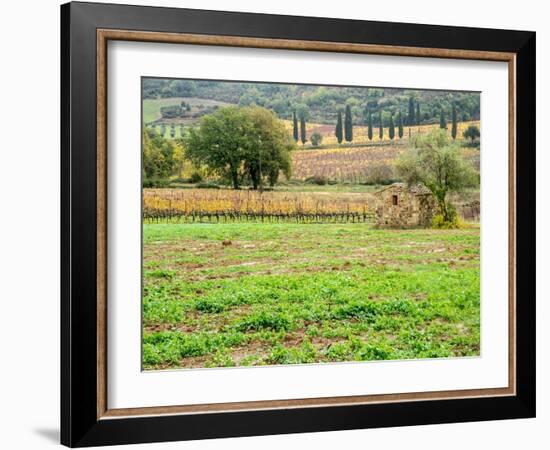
435	161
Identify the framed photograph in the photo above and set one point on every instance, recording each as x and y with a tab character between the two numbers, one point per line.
276	224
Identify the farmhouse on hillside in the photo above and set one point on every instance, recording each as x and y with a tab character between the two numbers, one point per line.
403	206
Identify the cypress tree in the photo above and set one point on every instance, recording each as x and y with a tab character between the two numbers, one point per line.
399	125
417	112
410	118
370	126
295	126
348	126
454	124
381	127
338	130
442	121
392	128
303	130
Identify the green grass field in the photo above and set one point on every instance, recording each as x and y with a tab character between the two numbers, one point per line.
151	107
218	295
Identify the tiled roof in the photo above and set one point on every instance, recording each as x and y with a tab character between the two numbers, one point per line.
417	189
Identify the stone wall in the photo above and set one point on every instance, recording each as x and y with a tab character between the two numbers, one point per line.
412	210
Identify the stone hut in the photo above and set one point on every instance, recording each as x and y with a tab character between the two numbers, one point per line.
402	206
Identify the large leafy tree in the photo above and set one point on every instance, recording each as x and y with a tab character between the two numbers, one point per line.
241	144
268	148
435	161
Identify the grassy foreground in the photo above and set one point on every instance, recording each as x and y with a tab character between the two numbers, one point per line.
218	295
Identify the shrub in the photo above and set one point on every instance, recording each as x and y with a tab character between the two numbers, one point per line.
317	179
439	222
316	139
207	185
195	177
155	182
472	133
178	180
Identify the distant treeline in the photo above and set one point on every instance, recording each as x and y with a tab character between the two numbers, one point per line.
323	103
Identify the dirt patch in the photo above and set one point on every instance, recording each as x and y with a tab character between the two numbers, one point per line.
192	362
254	348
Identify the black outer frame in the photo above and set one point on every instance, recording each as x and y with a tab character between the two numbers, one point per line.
79	424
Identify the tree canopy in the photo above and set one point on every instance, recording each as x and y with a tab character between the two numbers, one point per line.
242	144
338	130
391	131
370	126
161	157
348	125
435	161
410	117
442	120
303	132
294	126
472	132
454	122
316	139
400	125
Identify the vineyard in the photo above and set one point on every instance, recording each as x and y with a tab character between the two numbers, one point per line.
355	164
224	205
368	164
258	228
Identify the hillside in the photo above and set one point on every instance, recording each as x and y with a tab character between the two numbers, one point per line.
318	103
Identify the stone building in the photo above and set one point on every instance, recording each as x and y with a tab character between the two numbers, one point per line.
402	206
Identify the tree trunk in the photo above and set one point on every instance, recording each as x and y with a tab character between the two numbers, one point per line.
235	179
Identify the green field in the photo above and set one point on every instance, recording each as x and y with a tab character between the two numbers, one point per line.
151	107
256	294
